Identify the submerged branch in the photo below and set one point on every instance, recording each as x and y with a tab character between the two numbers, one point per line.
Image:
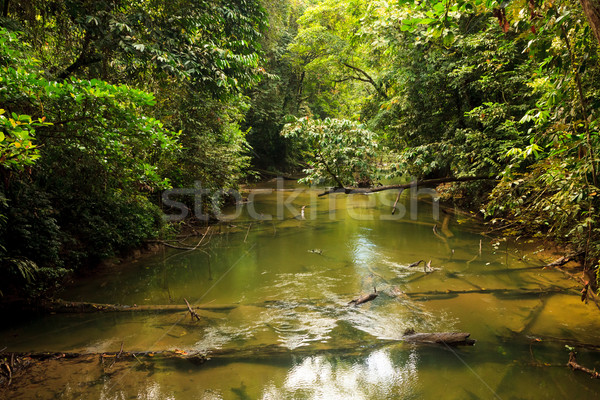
575	366
80	307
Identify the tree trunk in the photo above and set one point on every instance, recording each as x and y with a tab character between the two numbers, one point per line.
591	8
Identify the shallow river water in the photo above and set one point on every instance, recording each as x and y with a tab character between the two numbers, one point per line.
273	297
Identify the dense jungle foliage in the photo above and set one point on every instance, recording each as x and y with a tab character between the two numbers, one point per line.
104	104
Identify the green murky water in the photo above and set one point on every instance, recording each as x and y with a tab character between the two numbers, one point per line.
284	285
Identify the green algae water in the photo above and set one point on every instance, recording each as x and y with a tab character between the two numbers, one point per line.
273	283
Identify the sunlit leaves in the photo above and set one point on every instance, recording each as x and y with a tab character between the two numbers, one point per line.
339	152
17	135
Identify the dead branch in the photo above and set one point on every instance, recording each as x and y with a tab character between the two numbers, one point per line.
426	182
396	202
247	232
117	356
164	243
367	78
578	367
193	313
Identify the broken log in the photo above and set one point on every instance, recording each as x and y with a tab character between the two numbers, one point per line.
578	367
365	298
449	338
415	264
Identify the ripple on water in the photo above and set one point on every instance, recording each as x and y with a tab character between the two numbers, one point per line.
297	328
217	337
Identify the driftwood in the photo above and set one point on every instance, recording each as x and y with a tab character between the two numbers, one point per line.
426	182
449	338
365	298
577	367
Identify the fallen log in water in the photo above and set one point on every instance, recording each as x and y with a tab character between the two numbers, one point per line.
81	307
67	307
365	298
263	351
19	362
504	293
449	338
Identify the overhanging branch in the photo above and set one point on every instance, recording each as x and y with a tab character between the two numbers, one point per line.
426	182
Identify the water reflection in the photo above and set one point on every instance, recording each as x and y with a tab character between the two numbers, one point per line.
375	376
364	250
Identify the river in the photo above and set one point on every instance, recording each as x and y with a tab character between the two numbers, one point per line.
275	286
